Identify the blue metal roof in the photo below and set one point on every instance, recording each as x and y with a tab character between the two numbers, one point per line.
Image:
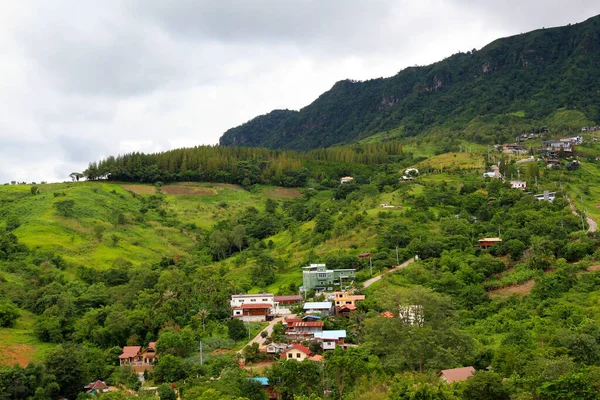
262	380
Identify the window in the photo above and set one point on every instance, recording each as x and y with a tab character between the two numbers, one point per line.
290	355
264	300
297	355
253	300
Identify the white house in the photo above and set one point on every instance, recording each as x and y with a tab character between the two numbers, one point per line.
274	348
346	179
329	339
518	185
546	196
319	307
253	307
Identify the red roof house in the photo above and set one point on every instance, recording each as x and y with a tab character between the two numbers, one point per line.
296	352
457	374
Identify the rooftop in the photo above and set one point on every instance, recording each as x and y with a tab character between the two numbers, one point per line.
457	374
289	298
303	349
130	351
253	306
319	305
490	240
331	335
237	296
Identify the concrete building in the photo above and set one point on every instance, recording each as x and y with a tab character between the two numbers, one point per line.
318	277
330	339
319	307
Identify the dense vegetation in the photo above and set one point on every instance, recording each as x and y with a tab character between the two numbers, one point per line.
88	267
245	166
490	95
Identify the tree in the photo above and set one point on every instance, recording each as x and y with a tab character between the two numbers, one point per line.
165	392
323	222
34	190
65	208
238	236
485	386
236	329
8	314
169	369
66	363
251	353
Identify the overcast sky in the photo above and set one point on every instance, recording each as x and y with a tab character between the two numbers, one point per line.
84	79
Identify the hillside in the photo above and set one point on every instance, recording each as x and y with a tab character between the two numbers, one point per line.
548	77
89	267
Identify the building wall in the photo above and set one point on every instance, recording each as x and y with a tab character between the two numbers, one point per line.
295	355
328	345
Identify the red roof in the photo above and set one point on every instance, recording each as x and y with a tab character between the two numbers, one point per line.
293	320
151	346
348	307
97	385
457	374
316	357
299	347
387	314
306	324
130	351
253	306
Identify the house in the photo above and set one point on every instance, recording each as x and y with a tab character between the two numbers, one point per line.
522	185
492	174
514	148
316	358
304	330
488	242
296	352
556	146
574	140
274	348
239	299
318	277
387	314
96	387
287	301
456	374
346	179
259	312
412	315
253	307
139	360
546	196
329	339
319	307
345	309
344	298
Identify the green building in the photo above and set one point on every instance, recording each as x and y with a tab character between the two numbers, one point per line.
318	277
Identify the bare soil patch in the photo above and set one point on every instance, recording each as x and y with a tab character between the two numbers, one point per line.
283	193
594	267
520	290
140	189
181	190
18	353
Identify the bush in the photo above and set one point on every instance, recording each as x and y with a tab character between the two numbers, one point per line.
8	315
236	329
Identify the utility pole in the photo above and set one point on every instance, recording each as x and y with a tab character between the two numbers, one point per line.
397	259
201	355
371	264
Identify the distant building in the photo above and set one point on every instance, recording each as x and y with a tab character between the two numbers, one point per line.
344	299
573	140
96	387
139	360
522	185
488	242
319	307
546	196
253	307
346	179
330	339
317	276
456	374
296	352
274	348
287	301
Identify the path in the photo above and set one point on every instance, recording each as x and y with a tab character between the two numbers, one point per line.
593	226
371	281
269	329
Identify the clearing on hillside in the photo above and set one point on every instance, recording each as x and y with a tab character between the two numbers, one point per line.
181	190
21	354
454	161
279	193
520	290
140	189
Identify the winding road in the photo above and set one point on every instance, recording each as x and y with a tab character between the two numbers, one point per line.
371	281
593	225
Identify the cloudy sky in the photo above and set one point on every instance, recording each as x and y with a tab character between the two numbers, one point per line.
84	79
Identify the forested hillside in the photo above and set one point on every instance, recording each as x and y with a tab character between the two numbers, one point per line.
89	267
488	96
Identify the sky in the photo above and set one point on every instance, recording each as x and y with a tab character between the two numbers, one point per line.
83	79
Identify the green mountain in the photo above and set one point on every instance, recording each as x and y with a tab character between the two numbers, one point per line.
510	85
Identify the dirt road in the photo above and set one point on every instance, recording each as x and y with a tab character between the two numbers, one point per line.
371	281
269	329
593	226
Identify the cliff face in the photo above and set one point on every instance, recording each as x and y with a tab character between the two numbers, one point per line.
534	74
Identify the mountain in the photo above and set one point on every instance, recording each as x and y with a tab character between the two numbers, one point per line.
512	84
